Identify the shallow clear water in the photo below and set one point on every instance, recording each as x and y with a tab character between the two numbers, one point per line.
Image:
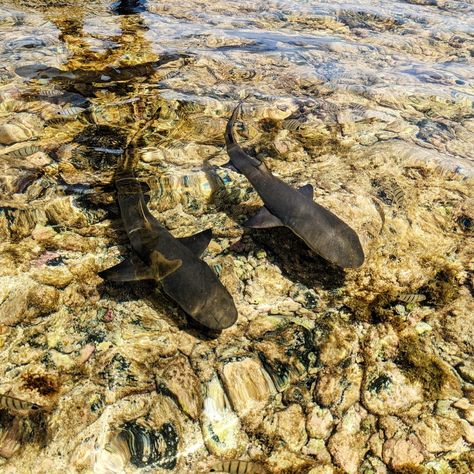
370	102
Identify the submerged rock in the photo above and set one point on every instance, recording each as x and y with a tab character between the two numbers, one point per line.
220	425
364	371
179	378
288	426
319	423
348	444
286	352
23	126
247	385
339	388
402	453
10	438
23	300
438	434
150	447
388	391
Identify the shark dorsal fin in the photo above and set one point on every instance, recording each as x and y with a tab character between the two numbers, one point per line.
197	243
264	219
307	190
131	269
162	266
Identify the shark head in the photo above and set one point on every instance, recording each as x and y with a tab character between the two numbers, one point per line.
218	312
343	248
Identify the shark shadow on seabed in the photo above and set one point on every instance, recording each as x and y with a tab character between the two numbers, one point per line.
129	7
294	258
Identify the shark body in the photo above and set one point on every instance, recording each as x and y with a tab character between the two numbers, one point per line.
159	256
323	232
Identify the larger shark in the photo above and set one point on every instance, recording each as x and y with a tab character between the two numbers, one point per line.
175	263
320	229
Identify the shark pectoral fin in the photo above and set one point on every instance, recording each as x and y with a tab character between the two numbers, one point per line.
131	269
264	219
307	190
161	266
197	243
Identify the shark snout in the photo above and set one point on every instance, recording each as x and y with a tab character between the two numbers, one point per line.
344	251
355	259
219	312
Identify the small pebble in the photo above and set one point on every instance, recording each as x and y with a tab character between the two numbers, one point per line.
86	353
261	254
422	328
108	316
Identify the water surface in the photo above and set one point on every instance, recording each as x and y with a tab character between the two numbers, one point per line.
371	102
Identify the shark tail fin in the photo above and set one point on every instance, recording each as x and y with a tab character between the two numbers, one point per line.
238	157
264	219
229	130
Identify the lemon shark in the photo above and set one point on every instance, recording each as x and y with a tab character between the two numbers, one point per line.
174	262
323	232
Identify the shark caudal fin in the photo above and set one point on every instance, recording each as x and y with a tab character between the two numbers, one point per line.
238	158
230	139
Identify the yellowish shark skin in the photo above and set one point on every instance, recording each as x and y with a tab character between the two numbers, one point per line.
321	230
159	256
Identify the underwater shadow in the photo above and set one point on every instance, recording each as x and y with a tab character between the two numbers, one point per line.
159	301
152	295
291	254
296	261
129	7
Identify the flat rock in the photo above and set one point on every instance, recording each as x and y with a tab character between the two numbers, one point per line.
179	378
289	426
24	299
247	385
388	391
348	444
319	422
402	453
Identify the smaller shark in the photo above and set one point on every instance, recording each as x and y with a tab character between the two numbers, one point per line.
319	228
159	256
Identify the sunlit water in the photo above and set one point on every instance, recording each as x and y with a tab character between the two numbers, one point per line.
371	102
